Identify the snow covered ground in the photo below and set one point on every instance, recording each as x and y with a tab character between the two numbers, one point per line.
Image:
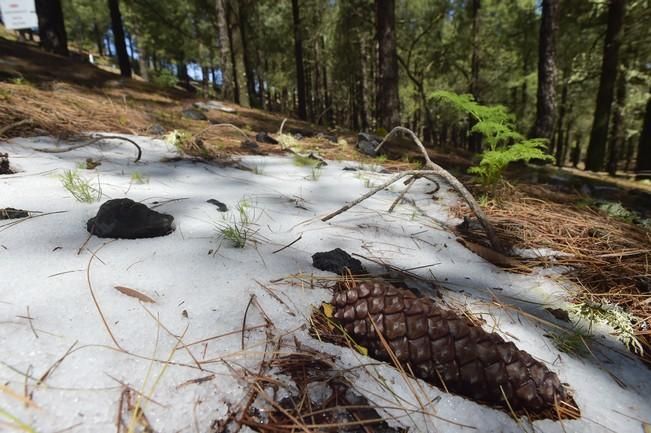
202	285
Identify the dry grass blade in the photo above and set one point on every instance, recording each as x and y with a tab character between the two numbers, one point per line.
95	301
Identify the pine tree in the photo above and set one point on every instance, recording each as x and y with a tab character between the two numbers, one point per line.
599	133
644	146
51	28
388	100
546	95
118	35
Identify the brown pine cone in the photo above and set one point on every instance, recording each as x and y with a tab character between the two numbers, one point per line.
446	350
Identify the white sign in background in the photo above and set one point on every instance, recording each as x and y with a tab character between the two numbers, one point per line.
18	14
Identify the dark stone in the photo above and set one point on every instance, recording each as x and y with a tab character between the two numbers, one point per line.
337	261
559	313
248	144
156	129
263	137
10	213
350	169
221	207
330	137
193	114
4	164
126	219
366	143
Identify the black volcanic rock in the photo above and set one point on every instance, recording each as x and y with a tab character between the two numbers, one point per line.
126	219
337	261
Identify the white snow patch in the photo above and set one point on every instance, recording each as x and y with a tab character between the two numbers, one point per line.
40	268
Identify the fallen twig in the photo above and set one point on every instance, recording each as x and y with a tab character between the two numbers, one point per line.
93	141
410	182
288	245
454	182
377	189
14	125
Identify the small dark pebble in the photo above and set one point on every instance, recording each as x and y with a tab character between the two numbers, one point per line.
221	207
249	144
337	261
264	137
559	313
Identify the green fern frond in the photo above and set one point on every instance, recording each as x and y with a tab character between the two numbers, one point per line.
504	144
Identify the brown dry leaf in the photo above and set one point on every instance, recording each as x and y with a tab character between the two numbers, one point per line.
486	253
646	427
134	294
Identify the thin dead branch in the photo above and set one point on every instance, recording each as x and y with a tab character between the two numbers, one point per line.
454	182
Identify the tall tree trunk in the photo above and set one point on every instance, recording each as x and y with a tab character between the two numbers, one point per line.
228	92
644	146
143	63
298	58
318	101
51	28
246	54
365	77
231	46
560	149
546	94
326	93
309	101
205	80
182	74
475	138
387	99
617	132
118	36
98	39
599	132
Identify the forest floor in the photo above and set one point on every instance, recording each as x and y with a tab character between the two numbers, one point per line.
577	250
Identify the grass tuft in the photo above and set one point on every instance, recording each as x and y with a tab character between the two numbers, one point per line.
80	188
238	230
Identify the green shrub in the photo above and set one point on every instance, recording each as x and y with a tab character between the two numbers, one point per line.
504	144
163	79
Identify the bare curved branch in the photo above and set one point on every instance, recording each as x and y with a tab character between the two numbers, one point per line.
454	182
93	141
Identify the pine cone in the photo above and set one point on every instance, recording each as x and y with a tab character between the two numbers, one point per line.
447	350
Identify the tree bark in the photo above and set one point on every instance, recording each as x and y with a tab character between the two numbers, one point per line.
118	36
644	146
228	92
51	28
546	94
387	98
246	55
599	132
617	138
231	46
298	57
560	141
